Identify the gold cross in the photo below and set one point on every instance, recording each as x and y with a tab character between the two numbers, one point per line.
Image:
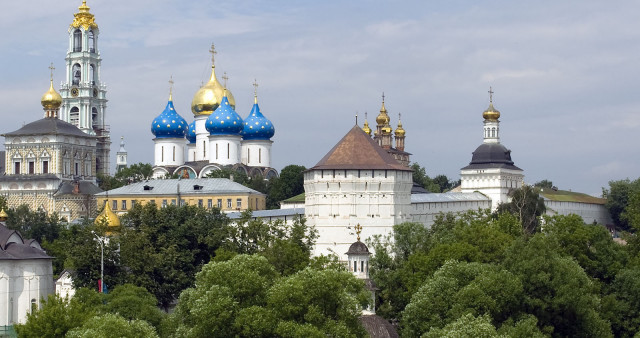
382	97
399	116
225	78
213	53
171	86
255	88
51	67
490	95
365	116
358	228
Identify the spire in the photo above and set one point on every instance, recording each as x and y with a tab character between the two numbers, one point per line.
171	88
255	91
358	229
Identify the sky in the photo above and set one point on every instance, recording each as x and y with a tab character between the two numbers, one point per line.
565	74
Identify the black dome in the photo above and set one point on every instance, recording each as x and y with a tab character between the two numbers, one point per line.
358	248
491	155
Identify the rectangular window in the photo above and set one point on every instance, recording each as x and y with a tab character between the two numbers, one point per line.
204	149
164	203
228	150
173	202
219	203
174	153
216	151
229	205
16	168
133	203
162	154
209	203
260	155
45	167
32	167
152	201
239	203
182	202
124	204
200	203
76	167
115	205
248	156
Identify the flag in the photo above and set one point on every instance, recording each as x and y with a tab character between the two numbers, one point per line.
104	288
99	285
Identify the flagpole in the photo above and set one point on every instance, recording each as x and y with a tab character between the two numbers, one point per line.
101	261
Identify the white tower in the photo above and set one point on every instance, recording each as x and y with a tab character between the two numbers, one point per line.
121	156
358	264
169	129
256	135
83	94
491	171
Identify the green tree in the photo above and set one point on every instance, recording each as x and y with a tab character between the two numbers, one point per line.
112	325
238	176
134	173
56	317
544	184
34	224
422	179
527	205
107	182
134	302
618	198
467	326
290	183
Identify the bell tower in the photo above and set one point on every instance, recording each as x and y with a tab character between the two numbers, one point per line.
83	93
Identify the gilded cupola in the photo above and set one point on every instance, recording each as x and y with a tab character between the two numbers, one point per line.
399	131
491	113
108	216
51	100
366	127
83	18
208	98
382	118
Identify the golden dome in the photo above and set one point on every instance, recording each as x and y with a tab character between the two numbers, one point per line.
387	128
84	18
3	215
399	131
382	118
51	100
366	128
491	113
209	96
107	215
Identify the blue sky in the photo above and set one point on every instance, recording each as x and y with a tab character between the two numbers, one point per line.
565	74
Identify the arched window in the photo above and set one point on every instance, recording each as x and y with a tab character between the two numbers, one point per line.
77	40
493	132
76	74
92	42
74	116
94	117
92	74
34	305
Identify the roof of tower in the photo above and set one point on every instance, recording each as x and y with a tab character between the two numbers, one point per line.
108	216
209	97
48	126
169	124
491	113
51	99
356	150
83	18
257	126
491	155
358	248
224	120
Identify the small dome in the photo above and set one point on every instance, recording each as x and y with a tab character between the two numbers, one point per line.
366	128
208	98
382	118
224	120
51	100
358	248
491	113
256	126
387	128
491	153
169	124
191	133
399	131
107	215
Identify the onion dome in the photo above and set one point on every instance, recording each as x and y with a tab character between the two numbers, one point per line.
191	133
3	215
51	100
386	129
108	216
169	124
224	120
491	113
399	131
256	126
366	128
382	118
209	96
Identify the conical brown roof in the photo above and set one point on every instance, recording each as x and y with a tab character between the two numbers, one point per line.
357	150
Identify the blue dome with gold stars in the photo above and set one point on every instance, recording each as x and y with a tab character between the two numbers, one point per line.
224	120
256	126
169	124
191	133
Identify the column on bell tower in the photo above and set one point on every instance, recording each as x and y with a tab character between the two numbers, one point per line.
83	94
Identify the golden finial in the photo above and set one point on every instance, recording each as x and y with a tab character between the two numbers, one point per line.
213	55
490	95
225	78
51	100
491	113
400	131
358	229
255	91
171	88
382	97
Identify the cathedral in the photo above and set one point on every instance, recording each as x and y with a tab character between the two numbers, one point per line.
217	138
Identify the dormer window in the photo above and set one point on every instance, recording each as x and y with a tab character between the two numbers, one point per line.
146	187
197	187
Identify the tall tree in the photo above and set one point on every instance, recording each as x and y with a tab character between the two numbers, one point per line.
527	205
618	199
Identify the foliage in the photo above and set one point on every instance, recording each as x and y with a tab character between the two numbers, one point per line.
290	183
619	197
134	302
34	224
544	184
55	317
527	205
134	173
112	325
467	326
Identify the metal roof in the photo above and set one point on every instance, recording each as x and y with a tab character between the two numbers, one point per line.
449	197
196	186
270	213
49	126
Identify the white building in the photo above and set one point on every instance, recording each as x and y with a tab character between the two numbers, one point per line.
217	138
26	276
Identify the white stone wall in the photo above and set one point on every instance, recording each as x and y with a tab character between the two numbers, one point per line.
590	212
493	182
256	153
427	212
224	149
22	281
337	200
169	151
